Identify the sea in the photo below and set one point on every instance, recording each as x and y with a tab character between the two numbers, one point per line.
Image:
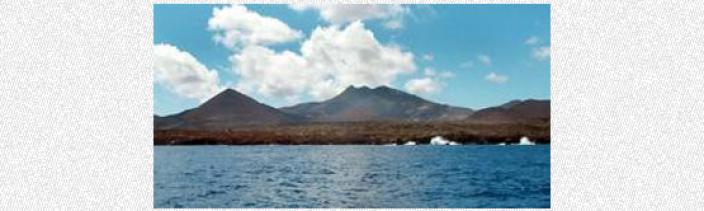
352	176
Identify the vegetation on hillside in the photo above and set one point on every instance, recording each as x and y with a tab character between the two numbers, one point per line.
362	133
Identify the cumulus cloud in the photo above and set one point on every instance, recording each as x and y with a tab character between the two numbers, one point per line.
181	73
496	78
235	26
391	14
432	82
330	60
541	53
532	40
423	86
484	59
264	71
355	56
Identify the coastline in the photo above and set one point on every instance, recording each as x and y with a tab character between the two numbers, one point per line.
361	133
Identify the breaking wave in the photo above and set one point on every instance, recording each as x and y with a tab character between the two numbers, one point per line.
525	141
439	140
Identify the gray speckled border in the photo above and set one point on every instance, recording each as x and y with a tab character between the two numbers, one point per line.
76	104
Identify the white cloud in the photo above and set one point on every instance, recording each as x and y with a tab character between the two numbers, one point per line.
532	40
496	78
271	74
235	26
355	56
541	53
330	60
430	83
428	57
425	85
484	59
391	14
181	73
394	24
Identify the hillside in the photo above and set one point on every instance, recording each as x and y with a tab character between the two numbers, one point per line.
377	104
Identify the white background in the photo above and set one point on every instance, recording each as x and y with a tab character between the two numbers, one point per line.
627	105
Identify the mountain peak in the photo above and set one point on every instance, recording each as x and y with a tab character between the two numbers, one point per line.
228	91
385	90
367	88
228	98
381	91
353	89
229	109
381	103
350	88
229	95
361	87
514	103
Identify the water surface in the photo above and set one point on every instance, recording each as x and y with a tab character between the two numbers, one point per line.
352	176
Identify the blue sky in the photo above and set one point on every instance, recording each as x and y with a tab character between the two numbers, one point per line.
473	56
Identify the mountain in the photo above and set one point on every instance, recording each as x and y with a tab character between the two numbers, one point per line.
167	122
225	110
377	104
516	110
231	109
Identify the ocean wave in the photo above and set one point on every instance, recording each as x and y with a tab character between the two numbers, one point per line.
525	141
439	140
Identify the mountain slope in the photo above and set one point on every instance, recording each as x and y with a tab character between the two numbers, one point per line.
227	109
515	111
378	104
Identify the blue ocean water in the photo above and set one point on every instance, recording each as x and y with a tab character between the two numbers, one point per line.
420	176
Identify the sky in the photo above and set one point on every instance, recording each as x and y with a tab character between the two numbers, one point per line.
473	56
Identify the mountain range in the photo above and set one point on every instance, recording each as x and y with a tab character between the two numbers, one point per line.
231	109
378	104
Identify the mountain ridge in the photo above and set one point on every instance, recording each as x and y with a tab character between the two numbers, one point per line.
515	110
227	109
376	104
231	109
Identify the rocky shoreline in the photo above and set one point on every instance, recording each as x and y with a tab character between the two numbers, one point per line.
361	133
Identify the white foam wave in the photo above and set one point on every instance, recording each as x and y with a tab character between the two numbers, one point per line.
525	141
439	140
410	143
